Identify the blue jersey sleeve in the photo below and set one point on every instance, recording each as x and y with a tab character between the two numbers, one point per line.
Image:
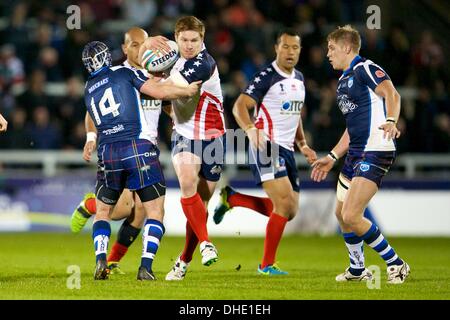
198	68
258	86
371	75
138	78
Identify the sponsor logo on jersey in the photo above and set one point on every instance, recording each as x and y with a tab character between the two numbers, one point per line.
114	129
151	104
291	107
345	104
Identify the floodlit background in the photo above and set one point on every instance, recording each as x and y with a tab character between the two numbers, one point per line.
42	174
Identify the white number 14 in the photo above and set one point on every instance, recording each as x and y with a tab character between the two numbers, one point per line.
104	110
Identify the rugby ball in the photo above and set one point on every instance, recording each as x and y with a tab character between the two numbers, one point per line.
156	61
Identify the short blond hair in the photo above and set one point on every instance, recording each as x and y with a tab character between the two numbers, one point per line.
348	34
190	23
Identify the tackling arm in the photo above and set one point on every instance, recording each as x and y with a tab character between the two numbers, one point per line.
168	91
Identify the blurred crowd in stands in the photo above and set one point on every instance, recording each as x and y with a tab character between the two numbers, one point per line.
42	76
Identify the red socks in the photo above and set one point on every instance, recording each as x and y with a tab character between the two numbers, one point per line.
195	212
274	231
261	205
190	244
90	205
117	252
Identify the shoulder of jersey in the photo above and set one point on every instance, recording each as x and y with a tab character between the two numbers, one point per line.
299	75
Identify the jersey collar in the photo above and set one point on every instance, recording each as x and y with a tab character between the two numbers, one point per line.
284	74
96	72
356	60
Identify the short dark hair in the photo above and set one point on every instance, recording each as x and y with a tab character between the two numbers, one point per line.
290	32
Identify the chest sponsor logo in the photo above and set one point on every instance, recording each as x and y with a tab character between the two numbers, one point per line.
291	107
345	104
148	105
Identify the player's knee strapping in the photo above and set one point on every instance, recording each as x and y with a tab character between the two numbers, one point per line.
151	192
341	189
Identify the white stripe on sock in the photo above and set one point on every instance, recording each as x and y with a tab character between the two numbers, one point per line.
377	241
382	253
395	257
151	239
148	255
147	226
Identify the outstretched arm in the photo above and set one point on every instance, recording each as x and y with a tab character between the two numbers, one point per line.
169	91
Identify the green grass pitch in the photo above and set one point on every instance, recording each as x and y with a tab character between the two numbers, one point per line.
34	266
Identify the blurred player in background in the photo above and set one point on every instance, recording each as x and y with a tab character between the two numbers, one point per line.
126	155
371	107
3	124
278	93
128	206
199	126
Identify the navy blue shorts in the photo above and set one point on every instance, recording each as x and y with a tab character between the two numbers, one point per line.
132	164
372	165
211	152
274	163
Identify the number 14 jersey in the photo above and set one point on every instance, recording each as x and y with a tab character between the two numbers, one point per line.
112	99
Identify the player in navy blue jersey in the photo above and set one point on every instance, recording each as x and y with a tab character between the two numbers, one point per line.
371	107
127	158
128	207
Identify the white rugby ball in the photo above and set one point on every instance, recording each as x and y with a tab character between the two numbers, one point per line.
156	61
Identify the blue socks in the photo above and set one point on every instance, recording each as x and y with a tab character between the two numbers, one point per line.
153	232
101	231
